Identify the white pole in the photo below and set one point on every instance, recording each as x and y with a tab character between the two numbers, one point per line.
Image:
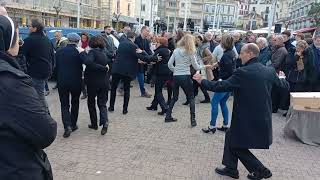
185	15
151	16
168	21
140	13
175	19
78	16
270	21
219	12
215	14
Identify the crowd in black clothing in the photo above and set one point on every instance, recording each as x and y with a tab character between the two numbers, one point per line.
97	65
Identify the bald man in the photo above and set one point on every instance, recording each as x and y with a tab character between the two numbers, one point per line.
3	11
251	126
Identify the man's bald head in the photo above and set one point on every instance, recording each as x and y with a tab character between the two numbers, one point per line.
3	11
248	52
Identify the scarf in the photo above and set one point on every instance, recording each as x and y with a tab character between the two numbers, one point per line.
84	44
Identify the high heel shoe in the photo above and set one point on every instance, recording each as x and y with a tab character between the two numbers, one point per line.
209	130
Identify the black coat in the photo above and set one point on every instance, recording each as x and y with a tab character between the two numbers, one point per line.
161	68
69	66
227	64
126	62
39	53
96	71
26	127
251	124
144	45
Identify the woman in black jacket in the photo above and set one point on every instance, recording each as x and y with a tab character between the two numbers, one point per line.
162	74
301	72
97	81
125	68
25	125
227	65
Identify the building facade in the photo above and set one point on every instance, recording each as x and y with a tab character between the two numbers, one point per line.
298	14
147	10
61	13
262	8
282	13
224	16
123	12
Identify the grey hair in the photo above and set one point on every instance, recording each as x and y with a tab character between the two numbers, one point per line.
279	37
263	41
208	34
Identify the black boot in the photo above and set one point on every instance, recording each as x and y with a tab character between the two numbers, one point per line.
169	117
193	120
186	103
104	130
67	132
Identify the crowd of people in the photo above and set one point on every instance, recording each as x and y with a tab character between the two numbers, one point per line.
245	67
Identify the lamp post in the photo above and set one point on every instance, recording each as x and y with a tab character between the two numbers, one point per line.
57	8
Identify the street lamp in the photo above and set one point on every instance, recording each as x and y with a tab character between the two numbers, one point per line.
57	8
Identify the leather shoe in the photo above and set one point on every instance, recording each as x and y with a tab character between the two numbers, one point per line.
209	130
125	112
110	109
74	128
233	173
163	112
205	101
93	127
170	120
263	174
104	130
186	103
67	133
224	129
151	108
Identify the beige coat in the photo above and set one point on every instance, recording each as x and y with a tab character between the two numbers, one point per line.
208	60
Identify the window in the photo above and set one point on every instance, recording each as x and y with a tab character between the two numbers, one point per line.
253	8
183	4
267	10
207	7
143	7
172	4
266	18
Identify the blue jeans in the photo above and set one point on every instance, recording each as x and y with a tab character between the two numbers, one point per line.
140	77
39	86
219	98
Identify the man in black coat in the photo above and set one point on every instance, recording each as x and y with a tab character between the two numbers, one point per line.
125	68
144	44
110	47
69	80
39	54
251	125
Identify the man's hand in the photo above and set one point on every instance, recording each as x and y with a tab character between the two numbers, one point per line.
159	57
281	75
141	62
80	49
197	77
139	51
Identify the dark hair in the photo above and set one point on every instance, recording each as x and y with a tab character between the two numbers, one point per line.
227	42
144	28
97	42
131	35
288	33
106	27
37	23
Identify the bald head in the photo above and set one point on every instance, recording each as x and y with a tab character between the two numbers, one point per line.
3	11
248	52
236	36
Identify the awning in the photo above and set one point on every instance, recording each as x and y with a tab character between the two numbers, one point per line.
126	19
305	30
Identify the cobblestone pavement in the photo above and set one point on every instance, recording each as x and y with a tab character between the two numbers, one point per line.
140	146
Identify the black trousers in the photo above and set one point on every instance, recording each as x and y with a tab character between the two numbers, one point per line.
116	78
158	97
185	82
196	87
232	155
69	119
99	90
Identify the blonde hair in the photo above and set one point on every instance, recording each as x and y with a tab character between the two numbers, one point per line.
188	44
